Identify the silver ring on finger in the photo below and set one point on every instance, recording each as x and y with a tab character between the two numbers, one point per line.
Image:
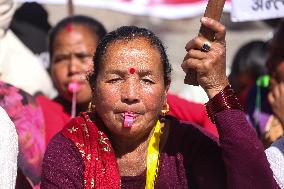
206	46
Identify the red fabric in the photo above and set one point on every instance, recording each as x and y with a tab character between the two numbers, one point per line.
190	159
190	111
101	169
54	116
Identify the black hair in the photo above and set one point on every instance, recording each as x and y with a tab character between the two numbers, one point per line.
251	59
95	26
26	13
128	33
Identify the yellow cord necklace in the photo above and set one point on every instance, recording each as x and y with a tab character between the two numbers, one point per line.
152	159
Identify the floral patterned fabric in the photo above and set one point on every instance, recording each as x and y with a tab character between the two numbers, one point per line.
28	119
101	169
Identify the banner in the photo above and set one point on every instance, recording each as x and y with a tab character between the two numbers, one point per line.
246	10
168	9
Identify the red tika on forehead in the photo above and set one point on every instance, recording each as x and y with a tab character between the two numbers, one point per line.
69	27
132	70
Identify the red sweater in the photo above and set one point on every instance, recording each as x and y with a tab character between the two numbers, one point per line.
190	159
54	116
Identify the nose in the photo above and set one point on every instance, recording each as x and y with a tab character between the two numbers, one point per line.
130	93
75	65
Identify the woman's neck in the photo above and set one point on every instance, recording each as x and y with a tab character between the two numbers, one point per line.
124	145
131	153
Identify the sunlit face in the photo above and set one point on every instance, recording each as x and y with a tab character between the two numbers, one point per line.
280	71
278	75
130	80
73	50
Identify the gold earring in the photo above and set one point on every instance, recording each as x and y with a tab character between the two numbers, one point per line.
165	110
91	107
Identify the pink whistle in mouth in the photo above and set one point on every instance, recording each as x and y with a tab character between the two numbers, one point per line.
73	87
128	120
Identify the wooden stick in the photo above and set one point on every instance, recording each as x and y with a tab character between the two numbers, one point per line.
70	8
213	10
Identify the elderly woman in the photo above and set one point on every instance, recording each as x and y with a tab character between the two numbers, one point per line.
126	139
72	44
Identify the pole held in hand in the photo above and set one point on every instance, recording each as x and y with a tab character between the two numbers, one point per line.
213	10
70	8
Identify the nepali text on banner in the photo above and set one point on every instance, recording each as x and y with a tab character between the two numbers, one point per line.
247	10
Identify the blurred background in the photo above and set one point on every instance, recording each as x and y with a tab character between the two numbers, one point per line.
174	31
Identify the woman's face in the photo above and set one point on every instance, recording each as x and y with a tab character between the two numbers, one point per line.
73	49
278	75
280	71
130	79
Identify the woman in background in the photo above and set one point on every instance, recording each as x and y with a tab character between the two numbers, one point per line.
247	66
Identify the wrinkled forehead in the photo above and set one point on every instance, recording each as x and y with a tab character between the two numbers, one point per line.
137	47
72	29
131	41
126	54
131	50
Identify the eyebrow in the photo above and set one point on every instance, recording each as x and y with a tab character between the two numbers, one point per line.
123	72
75	53
145	72
115	71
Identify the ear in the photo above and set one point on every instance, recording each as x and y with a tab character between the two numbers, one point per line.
166	92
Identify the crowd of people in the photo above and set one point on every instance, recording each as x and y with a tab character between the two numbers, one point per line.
100	114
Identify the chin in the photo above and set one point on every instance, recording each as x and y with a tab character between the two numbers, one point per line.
133	131
83	101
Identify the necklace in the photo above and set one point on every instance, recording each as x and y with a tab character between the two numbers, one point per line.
152	159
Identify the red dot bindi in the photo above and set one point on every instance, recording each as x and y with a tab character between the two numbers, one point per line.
132	70
69	28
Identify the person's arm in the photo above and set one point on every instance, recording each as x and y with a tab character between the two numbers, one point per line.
242	152
62	165
8	151
276	101
237	161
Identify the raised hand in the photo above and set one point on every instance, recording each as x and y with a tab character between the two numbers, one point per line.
276	101
208	59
